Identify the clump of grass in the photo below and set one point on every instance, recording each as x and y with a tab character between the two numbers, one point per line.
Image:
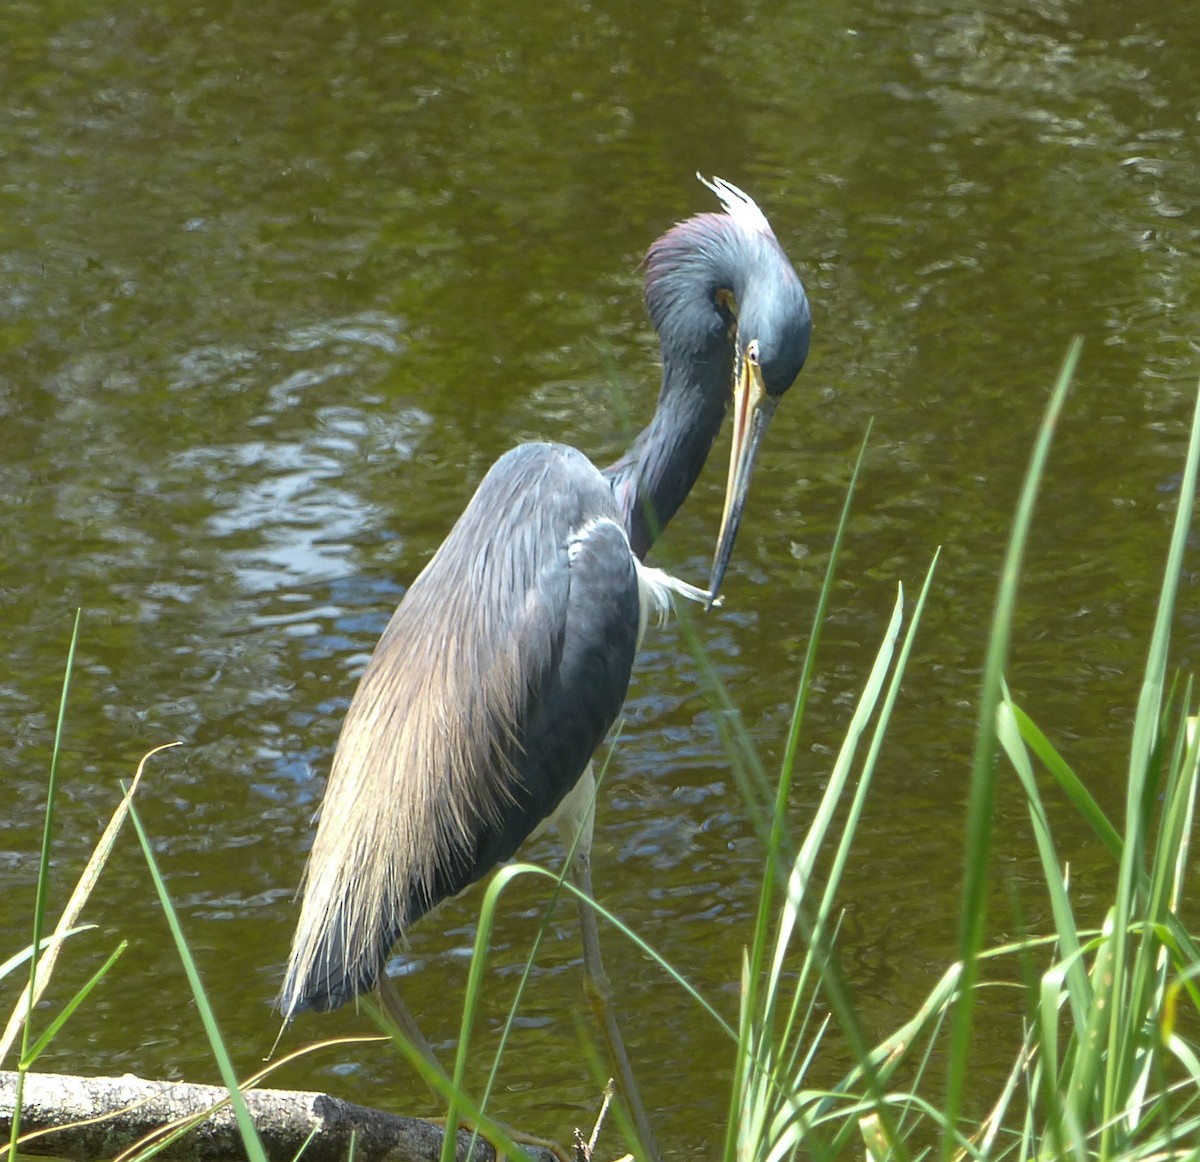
1105	1069
42	952
1110	1074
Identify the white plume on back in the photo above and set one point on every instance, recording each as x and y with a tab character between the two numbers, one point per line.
657	589
656	592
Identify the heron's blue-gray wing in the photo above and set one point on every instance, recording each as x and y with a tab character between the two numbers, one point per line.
497	677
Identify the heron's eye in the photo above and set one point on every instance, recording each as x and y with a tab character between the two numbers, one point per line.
752	351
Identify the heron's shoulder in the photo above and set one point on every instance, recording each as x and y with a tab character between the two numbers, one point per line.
547	478
545	456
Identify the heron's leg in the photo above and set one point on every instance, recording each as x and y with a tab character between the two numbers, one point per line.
398	1013
574	823
400	1016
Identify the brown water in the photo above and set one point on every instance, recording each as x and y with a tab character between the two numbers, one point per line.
278	282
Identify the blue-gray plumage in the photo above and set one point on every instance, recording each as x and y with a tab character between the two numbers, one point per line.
733	321
497	678
509	658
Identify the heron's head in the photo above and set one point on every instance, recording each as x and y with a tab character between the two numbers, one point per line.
721	278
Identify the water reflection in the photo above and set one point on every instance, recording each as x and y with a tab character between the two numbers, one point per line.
278	284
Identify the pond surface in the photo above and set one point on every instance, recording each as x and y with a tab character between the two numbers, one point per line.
278	282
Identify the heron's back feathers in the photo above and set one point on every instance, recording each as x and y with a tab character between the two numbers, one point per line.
497	677
509	657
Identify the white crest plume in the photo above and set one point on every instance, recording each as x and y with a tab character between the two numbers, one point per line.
740	206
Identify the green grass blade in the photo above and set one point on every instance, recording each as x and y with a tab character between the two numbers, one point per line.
1060	904
1142	750
1048	1059
1070	782
774	832
43	885
250	1138
982	795
814	840
1148	983
887	1057
19	958
1186	800
1089	1054
993	1123
841	856
71	1006
82	891
540	935
808	667
1186	1056
818	957
458	1101
817	937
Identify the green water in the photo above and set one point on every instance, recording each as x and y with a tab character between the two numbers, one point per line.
278	282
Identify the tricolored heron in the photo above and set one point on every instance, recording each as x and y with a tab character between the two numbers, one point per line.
509	657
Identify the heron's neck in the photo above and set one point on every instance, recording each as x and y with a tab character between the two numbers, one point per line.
653	478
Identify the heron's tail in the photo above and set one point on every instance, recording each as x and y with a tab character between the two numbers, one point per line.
328	967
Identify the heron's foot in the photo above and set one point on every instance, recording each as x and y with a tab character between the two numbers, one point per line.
518	1136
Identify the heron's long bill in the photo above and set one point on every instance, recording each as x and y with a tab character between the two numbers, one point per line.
752	412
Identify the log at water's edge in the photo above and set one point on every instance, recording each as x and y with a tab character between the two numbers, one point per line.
123	1110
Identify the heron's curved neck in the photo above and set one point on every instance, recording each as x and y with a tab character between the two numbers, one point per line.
653	478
